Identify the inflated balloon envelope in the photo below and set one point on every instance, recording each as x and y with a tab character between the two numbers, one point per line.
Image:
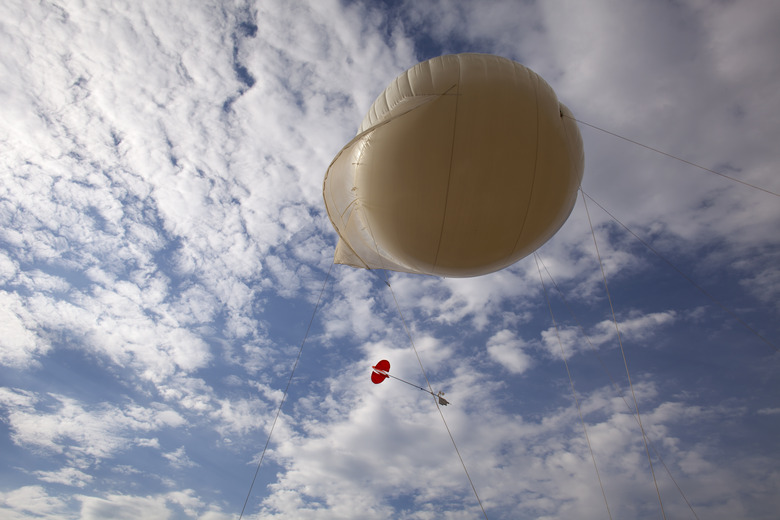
464	165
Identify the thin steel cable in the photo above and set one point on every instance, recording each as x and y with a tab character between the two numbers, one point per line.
702	290
286	389
435	400
614	383
387	374
571	384
675	157
625	362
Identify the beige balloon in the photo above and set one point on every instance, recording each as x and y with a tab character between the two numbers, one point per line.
464	165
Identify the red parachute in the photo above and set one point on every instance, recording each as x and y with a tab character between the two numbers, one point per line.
380	370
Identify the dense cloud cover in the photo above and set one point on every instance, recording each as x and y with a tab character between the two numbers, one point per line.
163	245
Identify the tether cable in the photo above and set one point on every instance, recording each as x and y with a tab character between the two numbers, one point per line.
656	150
615	385
571	384
286	389
623	353
702	290
387	374
435	400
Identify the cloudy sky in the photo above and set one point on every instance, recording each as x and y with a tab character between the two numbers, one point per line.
163	245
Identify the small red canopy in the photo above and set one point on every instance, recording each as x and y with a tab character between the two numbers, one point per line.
379	373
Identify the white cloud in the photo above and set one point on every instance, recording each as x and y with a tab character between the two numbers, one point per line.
179	458
123	507
192	394
637	329
24	501
354	310
566	338
148	443
19	347
240	416
67	476
506	348
84	435
8	268
188	501
479	299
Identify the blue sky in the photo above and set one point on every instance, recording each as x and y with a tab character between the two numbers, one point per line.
163	243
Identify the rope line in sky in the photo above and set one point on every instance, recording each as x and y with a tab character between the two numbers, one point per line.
571	384
387	374
656	150
623	353
286	389
435	399
614	383
688	278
